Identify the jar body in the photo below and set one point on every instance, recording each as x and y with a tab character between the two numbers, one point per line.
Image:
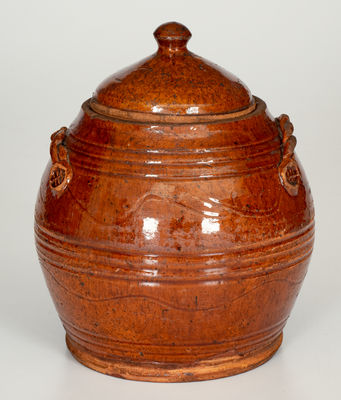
174	252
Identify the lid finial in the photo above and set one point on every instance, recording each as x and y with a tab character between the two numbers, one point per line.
172	37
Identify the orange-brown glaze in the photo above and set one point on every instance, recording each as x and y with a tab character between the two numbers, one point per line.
174	251
174	81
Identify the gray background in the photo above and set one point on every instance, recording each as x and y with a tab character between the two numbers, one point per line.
53	55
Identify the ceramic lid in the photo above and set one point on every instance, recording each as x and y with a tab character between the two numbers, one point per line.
172	85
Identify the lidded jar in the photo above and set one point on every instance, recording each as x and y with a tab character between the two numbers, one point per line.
174	223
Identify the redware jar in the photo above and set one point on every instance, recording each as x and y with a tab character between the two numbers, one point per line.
174	223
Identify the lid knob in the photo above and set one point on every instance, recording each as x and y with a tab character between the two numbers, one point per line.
172	37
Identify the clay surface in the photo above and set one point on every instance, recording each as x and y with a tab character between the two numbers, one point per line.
174	249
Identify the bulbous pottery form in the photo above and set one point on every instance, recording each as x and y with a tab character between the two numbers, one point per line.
174	223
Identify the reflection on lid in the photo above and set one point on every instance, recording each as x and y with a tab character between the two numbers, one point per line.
192	110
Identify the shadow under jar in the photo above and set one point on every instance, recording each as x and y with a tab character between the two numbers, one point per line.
174	223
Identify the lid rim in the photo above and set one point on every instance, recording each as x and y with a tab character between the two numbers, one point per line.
141	116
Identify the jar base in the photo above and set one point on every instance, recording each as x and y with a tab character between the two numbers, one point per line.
213	368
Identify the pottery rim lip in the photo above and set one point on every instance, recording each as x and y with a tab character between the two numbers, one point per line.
145	117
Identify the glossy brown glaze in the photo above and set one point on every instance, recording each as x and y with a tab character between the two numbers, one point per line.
174	81
174	249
